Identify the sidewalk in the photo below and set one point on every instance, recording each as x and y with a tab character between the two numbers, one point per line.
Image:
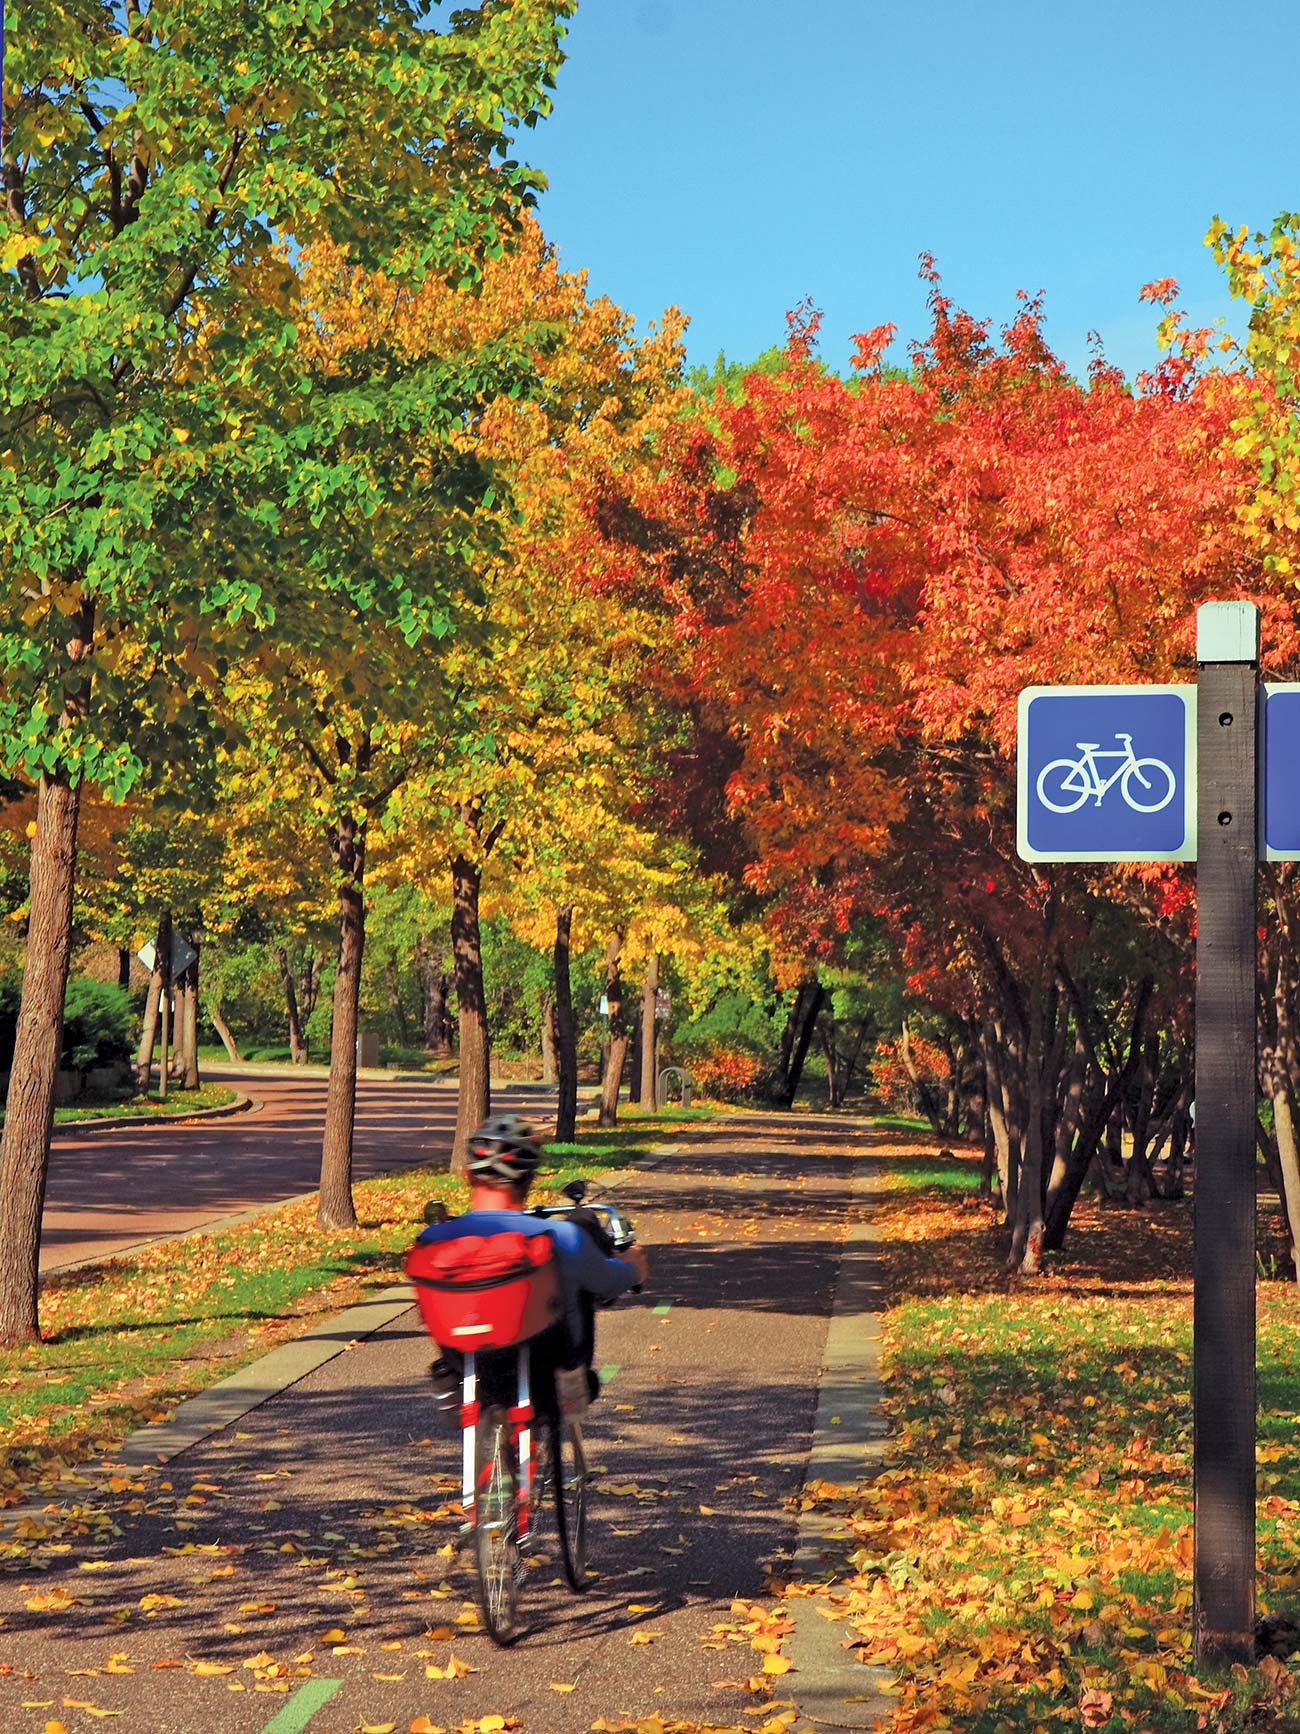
327	1508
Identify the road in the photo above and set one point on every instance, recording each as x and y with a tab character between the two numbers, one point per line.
327	1510
112	1190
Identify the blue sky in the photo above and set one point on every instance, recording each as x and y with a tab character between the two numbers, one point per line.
733	156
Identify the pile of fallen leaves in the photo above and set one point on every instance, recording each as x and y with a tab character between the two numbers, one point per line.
1024	1560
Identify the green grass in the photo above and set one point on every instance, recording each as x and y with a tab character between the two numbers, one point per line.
179	1103
127	1338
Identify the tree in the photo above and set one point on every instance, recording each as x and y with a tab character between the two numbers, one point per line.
867	572
152	389
540	696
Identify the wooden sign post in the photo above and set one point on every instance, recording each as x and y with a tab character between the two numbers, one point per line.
1224	1419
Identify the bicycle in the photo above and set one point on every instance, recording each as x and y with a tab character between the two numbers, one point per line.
1081	778
506	1484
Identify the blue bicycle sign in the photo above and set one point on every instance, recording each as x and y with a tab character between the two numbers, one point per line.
1107	773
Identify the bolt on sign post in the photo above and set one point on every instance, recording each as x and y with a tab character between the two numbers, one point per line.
1172	773
1224	1417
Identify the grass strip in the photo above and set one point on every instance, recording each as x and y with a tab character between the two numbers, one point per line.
180	1104
1024	1561
127	1339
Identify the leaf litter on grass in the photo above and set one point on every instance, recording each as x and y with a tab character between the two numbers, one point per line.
1023	1560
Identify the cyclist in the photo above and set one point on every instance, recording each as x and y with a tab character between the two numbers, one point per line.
504	1154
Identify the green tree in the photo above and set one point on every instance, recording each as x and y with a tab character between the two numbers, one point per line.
169	462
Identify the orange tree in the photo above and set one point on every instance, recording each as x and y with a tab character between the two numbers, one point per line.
867	572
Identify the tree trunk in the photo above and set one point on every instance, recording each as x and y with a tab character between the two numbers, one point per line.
474	1098
634	1070
616	1056
566	1044
550	1070
309	992
38	1045
834	1071
1027	1237
123	967
395	992
649	1030
227	1035
297	1041
1007	1160
153	1003
1096	1120
808	1005
434	984
187	1016
335	1208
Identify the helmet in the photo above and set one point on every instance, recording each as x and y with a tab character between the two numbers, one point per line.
506	1148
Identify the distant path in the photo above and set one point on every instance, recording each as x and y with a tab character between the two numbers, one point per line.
116	1189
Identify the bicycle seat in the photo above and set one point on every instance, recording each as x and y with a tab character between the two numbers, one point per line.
1086	746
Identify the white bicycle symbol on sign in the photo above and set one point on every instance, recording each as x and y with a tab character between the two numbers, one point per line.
1147	785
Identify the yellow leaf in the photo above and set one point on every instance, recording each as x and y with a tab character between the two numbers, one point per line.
558	1686
263	1659
206	1669
705	1510
378	1727
422	1725
336	1634
60	1727
777	1664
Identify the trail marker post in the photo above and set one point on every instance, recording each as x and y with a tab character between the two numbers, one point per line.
1174	773
1224	1413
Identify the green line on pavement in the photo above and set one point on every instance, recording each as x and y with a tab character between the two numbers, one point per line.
607	1372
304	1704
662	1308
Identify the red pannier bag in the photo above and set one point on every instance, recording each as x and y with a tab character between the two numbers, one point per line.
486	1291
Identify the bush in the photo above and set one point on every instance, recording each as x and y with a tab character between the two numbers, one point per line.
96	1024
725	1074
893	1084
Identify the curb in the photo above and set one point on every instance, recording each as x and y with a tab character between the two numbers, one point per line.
834	1691
242	1104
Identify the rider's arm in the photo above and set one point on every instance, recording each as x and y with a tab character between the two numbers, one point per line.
590	1270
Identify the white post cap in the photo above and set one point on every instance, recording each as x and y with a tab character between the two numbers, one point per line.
1227	632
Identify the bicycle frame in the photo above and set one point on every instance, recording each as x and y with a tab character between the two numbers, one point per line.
1090	756
520	1417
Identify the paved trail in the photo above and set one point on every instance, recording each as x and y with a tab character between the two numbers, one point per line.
327	1509
116	1189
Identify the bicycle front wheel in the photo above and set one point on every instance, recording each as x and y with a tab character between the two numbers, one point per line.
496	1533
569	1466
1148	785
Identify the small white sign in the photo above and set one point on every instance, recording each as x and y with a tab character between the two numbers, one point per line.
183	955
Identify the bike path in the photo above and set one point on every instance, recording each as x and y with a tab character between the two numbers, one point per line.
329	1509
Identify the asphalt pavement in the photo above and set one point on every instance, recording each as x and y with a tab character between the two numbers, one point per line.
119	1188
300	1570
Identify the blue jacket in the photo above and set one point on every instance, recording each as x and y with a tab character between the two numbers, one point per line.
584	1269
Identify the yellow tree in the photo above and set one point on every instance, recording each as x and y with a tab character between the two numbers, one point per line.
544	688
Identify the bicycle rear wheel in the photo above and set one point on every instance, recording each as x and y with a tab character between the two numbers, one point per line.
496	1535
569	1464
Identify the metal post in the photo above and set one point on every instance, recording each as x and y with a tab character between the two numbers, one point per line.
1227	649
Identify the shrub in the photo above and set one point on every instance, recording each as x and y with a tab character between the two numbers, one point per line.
723	1073
893	1085
96	1024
